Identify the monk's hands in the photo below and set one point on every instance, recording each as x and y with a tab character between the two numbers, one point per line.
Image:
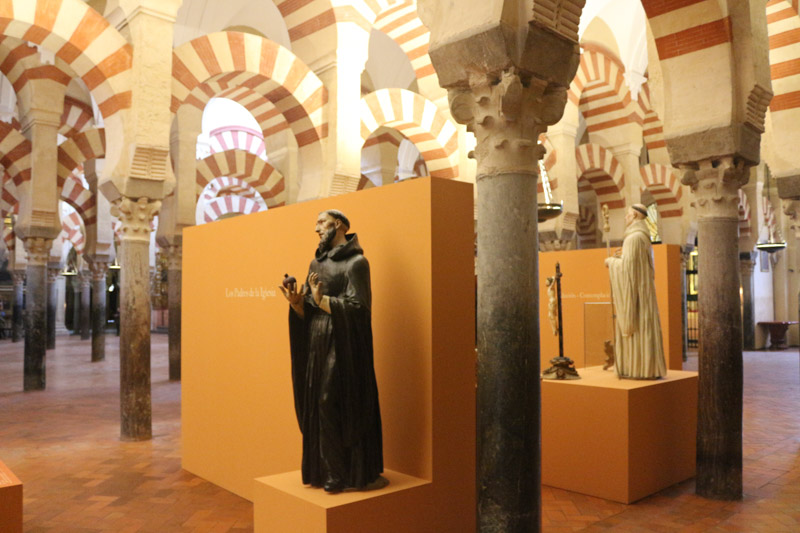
294	296
316	287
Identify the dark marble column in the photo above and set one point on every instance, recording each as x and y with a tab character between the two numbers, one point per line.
52	305
715	185
76	304
99	270
507	117
17	325
747	261
134	343
85	281
38	250
174	302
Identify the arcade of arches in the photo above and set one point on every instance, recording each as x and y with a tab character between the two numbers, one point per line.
122	122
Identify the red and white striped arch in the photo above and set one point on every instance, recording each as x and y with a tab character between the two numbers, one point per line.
251	61
311	22
604	173
77	117
783	27
403	25
82	38
653	131
225	205
684	26
15	156
586	227
434	135
665	186
237	138
20	63
257	173
744	215
600	93
9	237
74	229
269	117
72	153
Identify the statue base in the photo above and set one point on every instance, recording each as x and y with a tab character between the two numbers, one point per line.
563	368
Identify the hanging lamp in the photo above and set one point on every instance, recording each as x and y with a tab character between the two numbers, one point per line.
771	246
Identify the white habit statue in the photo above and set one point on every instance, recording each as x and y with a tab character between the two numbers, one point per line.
638	346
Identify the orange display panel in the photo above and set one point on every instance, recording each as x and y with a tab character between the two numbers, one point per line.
237	405
585	281
10	501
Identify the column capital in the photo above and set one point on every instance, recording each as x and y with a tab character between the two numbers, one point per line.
85	278
18	276
747	261
52	274
38	250
791	208
715	184
136	216
507	116
98	270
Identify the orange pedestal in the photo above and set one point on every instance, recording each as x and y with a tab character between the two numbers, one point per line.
617	439
238	420
284	505
10	501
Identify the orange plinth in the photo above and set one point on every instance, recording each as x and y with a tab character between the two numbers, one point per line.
617	439
10	501
237	405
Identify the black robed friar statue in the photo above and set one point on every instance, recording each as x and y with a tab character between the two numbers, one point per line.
335	391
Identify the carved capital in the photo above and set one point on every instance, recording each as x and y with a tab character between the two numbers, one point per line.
136	216
52	274
747	261
715	184
175	257
38	250
98	270
791	208
85	279
18	276
507	116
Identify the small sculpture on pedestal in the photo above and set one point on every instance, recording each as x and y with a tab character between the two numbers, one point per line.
638	345
562	367
330	335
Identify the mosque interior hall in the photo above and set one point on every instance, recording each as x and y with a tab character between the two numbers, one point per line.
485	152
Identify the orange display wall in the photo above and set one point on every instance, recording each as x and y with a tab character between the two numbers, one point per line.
619	439
237	404
10	501
585	283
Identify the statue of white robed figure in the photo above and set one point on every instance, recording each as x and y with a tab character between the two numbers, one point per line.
638	345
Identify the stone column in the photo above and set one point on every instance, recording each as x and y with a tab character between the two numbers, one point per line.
38	250
715	184
507	116
747	261
52	305
18	276
76	305
98	270
174	302
134	345
85	280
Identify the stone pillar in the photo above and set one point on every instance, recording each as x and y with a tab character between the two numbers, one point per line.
38	250
747	261
76	305
98	270
18	276
715	184
174	302
507	118
52	305
85	281
134	345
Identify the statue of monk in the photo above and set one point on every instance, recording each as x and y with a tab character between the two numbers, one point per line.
335	391
638	345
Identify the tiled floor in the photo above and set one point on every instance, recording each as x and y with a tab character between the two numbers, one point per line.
78	477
